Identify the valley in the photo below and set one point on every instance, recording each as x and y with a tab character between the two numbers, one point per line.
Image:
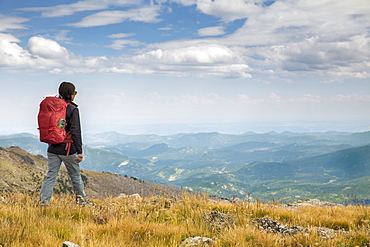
331	166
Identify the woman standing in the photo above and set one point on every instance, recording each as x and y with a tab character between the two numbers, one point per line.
58	153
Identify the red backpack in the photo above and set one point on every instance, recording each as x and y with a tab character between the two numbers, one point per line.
52	122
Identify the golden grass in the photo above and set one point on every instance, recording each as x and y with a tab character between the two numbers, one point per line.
159	221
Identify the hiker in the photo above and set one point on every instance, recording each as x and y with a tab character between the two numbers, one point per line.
70	153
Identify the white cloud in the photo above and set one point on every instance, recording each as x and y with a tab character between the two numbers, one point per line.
292	21
229	10
185	2
147	14
67	9
62	36
320	56
199	60
40	53
7	37
96	62
327	38
70	9
168	28
120	35
11	54
11	22
199	54
126	68
46	48
119	44
211	31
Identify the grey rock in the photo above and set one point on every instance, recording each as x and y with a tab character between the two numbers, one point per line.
327	232
312	203
69	244
123	196
219	221
197	241
2	199
276	227
324	234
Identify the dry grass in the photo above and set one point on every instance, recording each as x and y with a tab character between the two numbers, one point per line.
159	221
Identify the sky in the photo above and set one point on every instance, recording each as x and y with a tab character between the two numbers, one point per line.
170	66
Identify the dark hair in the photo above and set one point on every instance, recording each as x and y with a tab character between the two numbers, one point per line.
66	90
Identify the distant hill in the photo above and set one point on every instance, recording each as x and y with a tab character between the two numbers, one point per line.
336	176
24	172
28	142
345	164
217	140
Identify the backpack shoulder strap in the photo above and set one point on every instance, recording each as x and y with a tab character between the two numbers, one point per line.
70	108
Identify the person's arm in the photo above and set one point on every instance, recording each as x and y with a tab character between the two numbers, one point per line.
75	129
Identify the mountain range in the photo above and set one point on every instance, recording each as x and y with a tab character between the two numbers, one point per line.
332	166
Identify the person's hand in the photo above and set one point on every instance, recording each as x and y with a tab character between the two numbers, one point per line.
79	158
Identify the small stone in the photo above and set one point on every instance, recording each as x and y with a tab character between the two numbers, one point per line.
122	196
135	196
325	232
2	199
197	241
69	244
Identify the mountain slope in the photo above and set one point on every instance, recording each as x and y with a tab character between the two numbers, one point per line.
346	164
113	162
23	172
336	176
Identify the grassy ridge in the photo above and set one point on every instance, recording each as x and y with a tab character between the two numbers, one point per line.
160	221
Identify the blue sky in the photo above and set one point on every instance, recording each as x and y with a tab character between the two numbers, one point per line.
164	66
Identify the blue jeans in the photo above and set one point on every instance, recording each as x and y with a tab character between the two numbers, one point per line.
73	168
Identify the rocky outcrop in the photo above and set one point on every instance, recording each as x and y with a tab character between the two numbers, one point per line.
274	226
219	221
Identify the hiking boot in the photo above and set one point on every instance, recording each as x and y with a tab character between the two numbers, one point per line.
80	200
43	203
